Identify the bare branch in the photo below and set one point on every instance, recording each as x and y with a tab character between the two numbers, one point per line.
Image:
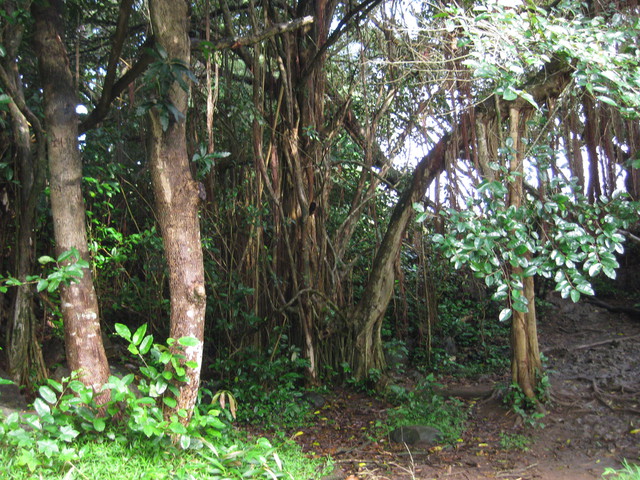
235	42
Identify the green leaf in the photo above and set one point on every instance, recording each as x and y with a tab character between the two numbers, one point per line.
509	94
607	100
47	394
437	238
170	402
422	217
505	314
609	272
575	295
146	344
48	447
585	288
595	269
99	424
123	331
42	285
43	260
178	428
139	335
188	341
68	254
41	408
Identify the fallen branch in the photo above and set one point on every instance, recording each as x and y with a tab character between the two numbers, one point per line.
604	342
628	310
590	345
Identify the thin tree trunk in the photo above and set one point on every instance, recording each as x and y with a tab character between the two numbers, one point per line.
26	365
594	190
79	304
176	197
525	361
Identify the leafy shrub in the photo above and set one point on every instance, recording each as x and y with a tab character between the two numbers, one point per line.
525	407
67	424
266	385
422	406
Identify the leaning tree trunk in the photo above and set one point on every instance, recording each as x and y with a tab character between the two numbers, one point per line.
367	315
79	304
176	198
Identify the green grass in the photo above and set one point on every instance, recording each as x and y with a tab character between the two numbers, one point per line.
148	459
514	441
629	471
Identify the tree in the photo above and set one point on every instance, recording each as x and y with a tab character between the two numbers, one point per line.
176	192
79	304
508	237
26	364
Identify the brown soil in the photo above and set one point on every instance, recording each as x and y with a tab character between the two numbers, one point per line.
592	422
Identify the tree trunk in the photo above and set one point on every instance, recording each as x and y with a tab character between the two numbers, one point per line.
79	304
525	361
590	137
367	316
176	199
24	355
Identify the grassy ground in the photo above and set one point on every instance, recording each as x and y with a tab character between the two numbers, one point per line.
148	459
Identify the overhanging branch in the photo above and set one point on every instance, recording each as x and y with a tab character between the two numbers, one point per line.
234	42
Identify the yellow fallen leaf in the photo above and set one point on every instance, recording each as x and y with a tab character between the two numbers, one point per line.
437	448
635	430
297	434
483	444
362	464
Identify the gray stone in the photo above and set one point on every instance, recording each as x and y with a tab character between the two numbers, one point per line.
414	434
11	400
314	399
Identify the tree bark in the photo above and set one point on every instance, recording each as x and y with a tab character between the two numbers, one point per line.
176	200
367	316
26	365
594	190
24	355
525	360
79	304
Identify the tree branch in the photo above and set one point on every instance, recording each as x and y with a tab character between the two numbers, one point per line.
235	42
98	114
358	12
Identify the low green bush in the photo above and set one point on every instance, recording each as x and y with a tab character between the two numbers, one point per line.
422	406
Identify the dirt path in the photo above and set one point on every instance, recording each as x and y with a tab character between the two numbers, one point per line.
593	362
